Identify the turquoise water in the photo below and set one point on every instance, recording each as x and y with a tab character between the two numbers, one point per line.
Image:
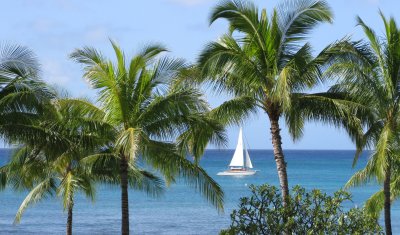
181	210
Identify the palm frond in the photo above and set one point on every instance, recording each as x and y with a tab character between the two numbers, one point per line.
127	142
328	108
203	130
234	111
66	189
17	61
145	181
41	191
375	203
297	18
164	157
242	16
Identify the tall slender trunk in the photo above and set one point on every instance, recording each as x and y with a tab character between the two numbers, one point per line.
386	192
279	157
69	219
124	196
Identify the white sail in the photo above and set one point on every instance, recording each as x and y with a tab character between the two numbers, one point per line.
237	159
248	161
240	164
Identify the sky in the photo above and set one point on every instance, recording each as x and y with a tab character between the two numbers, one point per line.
54	28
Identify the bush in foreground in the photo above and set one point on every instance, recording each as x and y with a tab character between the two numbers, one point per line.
311	212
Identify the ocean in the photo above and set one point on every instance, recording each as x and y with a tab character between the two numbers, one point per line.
182	210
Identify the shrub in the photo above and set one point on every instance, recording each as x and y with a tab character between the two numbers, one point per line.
306	213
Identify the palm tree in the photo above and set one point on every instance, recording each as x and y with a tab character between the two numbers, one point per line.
47	163
44	177
148	113
54	166
23	96
370	77
263	63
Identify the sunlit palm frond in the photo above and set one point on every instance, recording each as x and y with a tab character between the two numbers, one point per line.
243	16
225	63
383	152
375	203
127	142
39	192
361	177
297	18
67	188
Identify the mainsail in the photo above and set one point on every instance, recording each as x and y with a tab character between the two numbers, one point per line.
237	160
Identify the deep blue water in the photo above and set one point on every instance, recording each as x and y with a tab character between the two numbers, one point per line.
181	210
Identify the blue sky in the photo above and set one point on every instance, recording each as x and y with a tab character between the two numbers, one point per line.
54	28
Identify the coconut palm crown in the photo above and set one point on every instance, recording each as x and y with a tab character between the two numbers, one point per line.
264	62
148	114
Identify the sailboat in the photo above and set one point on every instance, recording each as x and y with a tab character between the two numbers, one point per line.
240	163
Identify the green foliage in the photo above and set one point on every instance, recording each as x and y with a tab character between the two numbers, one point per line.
23	96
153	117
51	163
369	78
312	212
267	61
47	162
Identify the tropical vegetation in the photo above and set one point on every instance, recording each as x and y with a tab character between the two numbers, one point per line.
311	212
49	164
370	78
265	64
150	117
59	134
148	113
23	96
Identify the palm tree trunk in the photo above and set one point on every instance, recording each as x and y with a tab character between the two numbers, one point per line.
279	157
124	196
69	219
386	192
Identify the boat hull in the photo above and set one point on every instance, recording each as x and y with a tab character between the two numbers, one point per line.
236	173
